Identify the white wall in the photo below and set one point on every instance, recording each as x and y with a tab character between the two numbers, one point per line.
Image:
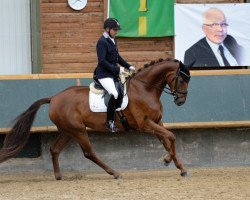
15	37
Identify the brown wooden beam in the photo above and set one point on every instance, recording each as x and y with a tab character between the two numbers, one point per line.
90	75
177	125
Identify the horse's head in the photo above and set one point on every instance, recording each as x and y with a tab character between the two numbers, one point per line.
172	72
179	84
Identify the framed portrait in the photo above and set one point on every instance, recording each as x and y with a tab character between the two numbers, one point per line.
229	24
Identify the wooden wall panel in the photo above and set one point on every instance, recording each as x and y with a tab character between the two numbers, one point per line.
69	37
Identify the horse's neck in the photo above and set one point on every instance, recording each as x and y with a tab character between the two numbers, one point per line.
154	78
158	73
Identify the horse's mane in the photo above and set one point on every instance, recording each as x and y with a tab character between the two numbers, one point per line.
157	61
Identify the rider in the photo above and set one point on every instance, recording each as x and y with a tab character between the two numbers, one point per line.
107	70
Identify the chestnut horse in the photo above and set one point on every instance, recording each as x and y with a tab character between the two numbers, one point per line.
69	111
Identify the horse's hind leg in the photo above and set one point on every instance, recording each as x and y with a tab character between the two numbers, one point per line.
82	138
61	141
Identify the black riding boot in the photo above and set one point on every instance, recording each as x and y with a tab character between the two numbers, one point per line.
111	115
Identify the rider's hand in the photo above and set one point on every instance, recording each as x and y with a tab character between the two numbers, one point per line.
131	70
122	69
125	72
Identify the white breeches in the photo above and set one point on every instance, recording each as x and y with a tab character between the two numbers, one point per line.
109	85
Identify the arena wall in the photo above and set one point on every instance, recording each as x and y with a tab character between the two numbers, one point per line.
213	97
209	132
224	147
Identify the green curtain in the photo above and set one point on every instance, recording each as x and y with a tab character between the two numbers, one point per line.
143	18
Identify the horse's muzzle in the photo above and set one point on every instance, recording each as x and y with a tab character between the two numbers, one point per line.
179	101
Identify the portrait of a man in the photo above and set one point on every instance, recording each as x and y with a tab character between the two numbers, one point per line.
217	47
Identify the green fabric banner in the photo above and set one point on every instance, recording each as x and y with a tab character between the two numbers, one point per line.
143	18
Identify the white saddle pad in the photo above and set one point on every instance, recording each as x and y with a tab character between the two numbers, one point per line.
96	103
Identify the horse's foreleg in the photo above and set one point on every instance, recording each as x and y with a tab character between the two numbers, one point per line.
55	149
172	154
168	158
167	138
83	140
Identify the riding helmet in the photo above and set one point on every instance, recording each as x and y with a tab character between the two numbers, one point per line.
112	23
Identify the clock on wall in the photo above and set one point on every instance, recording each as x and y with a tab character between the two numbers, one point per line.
77	4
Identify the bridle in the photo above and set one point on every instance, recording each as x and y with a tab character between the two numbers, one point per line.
176	91
166	89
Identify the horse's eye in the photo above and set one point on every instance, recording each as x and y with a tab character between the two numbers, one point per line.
181	81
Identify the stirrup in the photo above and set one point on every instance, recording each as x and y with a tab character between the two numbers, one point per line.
111	126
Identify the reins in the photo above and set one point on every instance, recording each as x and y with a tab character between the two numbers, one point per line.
167	89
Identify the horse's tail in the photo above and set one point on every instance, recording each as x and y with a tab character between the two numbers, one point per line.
16	139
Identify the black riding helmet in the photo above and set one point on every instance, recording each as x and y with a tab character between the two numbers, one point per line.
112	23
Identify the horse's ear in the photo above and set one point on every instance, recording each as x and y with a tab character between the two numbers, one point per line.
184	72
184	67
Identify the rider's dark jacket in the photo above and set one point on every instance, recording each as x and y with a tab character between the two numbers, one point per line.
108	58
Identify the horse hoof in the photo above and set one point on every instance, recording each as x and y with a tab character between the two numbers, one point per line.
58	177
185	174
166	163
117	176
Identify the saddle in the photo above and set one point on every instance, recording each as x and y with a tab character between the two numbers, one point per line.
99	97
97	88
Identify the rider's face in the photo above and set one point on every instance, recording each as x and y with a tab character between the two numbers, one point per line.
113	32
